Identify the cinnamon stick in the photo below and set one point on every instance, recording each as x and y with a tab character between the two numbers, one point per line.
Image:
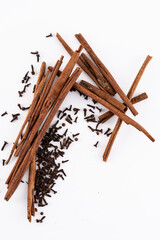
82	63
107	115
106	73
106	96
34	102
129	95
32	177
50	100
121	115
26	161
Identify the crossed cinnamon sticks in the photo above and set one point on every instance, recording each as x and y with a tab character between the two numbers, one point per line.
129	95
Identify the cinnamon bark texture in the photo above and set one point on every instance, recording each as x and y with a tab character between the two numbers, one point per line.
129	95
106	96
106	73
31	186
121	115
26	161
90	68
107	115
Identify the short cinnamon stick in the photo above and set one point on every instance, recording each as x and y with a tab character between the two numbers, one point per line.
106	73
129	95
121	115
107	115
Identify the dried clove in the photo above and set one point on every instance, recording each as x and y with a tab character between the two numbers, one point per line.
32	70
95	145
4	145
50	35
34	52
3	114
38	56
3	162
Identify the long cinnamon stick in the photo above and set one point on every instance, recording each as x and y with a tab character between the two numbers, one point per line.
107	115
106	96
50	100
106	73
32	175
121	115
26	161
34	102
129	95
103	85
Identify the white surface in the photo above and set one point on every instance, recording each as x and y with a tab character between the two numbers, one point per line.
117	200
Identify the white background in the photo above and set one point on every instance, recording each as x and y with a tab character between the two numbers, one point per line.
117	200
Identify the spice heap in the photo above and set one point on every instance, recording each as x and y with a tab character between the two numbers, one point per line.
36	134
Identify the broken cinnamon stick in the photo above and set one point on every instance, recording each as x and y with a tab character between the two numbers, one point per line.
106	73
107	115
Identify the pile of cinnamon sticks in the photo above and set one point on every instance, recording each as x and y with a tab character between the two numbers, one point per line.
106	88
48	98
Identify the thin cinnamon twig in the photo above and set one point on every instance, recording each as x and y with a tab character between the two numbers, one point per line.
121	115
104	85
34	102
129	95
107	115
106	73
26	161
